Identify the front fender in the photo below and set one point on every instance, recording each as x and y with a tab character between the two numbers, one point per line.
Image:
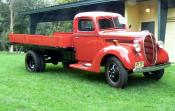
123	52
162	56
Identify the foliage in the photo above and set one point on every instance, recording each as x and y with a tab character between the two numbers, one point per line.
60	89
66	1
49	28
4	19
21	23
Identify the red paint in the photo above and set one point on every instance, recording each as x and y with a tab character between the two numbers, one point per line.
57	40
92	46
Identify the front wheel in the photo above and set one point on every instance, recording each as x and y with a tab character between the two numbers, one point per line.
154	74
116	74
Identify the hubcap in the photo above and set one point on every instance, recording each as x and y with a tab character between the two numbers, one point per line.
113	72
31	63
151	73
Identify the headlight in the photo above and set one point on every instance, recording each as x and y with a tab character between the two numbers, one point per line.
137	46
160	44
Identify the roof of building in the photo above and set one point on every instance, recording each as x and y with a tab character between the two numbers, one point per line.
171	3
96	14
65	6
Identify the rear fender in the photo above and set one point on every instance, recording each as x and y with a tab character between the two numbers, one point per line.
123	52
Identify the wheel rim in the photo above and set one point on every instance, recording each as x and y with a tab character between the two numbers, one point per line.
113	72
151	73
31	63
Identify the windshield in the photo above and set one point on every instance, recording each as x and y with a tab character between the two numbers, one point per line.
112	23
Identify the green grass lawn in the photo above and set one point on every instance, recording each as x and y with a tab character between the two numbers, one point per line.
60	89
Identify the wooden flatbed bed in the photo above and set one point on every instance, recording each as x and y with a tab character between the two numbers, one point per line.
58	40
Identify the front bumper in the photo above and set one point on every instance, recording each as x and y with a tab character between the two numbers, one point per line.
152	68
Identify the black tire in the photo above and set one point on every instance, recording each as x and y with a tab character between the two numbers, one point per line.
34	61
154	74
116	74
66	64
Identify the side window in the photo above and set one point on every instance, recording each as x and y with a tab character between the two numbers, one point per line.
118	23
85	25
106	23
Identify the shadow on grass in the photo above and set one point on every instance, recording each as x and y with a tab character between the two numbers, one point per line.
77	74
134	80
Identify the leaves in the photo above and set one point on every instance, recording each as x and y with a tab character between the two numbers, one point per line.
49	28
21	23
65	1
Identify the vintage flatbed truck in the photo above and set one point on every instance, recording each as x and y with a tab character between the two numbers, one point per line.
98	39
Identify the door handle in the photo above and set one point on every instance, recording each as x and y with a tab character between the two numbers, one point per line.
76	37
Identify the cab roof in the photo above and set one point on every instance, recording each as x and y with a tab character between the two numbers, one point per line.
96	14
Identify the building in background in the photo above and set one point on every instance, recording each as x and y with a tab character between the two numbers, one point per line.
146	15
157	16
170	34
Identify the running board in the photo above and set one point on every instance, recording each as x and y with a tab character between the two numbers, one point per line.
82	66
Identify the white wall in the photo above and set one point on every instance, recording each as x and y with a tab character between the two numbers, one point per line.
135	14
170	34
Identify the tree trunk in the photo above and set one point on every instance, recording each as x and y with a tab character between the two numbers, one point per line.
11	21
3	45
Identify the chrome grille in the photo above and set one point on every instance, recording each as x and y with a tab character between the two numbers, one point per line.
150	49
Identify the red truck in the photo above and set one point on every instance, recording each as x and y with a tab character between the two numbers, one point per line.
98	39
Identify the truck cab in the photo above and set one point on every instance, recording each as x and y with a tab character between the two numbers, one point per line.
98	39
88	28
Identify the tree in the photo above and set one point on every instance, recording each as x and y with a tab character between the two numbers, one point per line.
11	2
66	1
4	23
11	21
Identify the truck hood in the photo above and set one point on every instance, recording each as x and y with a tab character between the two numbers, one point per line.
124	33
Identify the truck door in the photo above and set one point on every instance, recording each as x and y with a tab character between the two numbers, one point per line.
86	42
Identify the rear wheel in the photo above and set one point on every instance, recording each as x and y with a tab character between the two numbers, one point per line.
154	74
34	61
116	74
65	64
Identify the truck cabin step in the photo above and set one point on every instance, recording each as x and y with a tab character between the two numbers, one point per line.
82	66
